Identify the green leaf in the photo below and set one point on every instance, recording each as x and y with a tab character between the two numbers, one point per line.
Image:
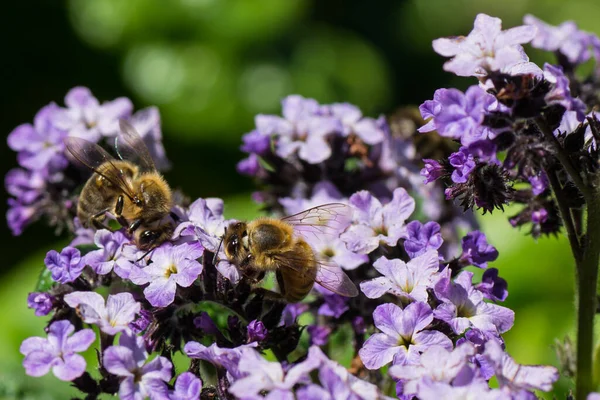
263	163
45	281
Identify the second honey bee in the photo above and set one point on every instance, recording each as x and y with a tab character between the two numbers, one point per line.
132	191
280	245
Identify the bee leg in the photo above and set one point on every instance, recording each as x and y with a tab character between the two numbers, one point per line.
98	218
119	205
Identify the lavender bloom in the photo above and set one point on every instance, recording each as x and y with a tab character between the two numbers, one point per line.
334	306
261	375
318	335
374	223
561	92
492	286
403	336
476	250
566	39
25	185
139	378
82	235
463	306
422	237
300	130
256	142
187	387
463	164
40	145
486	48
20	215
42	303
353	123
477	390
256	331
113	317
57	352
291	312
85	117
409	281
171	266
436	364
66	266
513	377
539	183
323	192
141	322
459	115
218	356
337	382
432	170
249	166
108	257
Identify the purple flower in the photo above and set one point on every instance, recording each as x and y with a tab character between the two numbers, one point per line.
318	335
256	142
113	317
27	186
40	145
141	322
85	117
561	92
42	303
218	356
463	164
459	115
436	364
375	223
565	38
403	336
486	48
300	130
367	129
20	215
463	307
291	312
261	375
334	305
432	170
82	235
323	192
336	382
249	166
187	387
422	237
476	250
492	286
139	378
409	281
66	266
256	331
513	377
477	390
57	352
539	183
108	257
171	266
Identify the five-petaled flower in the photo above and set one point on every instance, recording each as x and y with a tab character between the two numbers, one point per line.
57	352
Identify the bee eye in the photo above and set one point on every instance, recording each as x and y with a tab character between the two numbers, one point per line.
148	237
232	246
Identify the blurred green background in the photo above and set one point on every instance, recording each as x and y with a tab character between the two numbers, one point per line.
210	66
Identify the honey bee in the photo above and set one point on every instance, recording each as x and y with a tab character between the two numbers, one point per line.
280	245
132	191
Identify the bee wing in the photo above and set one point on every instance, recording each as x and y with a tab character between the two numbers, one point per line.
324	220
332	277
329	275
93	156
130	146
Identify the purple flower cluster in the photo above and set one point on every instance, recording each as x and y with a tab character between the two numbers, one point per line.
512	111
44	184
419	311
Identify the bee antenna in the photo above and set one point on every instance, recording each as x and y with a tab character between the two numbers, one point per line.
145	254
216	256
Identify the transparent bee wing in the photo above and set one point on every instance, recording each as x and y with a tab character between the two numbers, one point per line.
131	147
93	156
325	220
329	275
332	277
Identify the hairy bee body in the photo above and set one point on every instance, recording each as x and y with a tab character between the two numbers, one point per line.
136	194
263	244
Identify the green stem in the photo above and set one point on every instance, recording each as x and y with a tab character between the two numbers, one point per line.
586	298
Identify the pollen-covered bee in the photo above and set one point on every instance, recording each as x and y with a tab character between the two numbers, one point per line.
129	188
280	245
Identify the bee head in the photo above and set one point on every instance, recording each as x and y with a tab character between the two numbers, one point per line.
235	240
